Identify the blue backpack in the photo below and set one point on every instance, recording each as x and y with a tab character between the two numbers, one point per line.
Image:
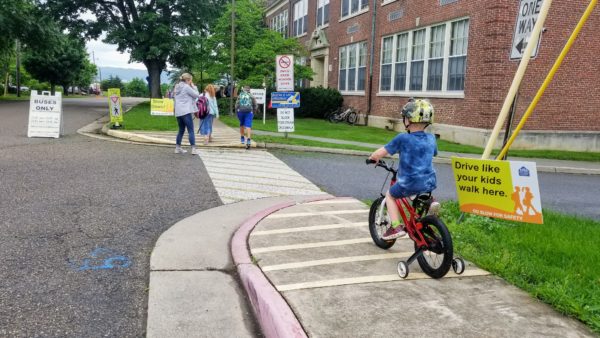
202	105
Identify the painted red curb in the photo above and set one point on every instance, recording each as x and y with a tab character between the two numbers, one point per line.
273	313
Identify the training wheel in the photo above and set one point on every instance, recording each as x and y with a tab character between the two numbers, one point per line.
402	269
458	265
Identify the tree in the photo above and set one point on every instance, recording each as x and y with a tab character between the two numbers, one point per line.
59	65
136	88
112	82
22	20
86	76
153	31
255	46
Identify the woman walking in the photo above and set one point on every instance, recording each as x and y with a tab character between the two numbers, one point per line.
213	111
186	95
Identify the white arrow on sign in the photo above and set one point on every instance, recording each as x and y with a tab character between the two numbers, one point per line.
526	19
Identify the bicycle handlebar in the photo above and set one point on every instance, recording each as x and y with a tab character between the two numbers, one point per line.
381	163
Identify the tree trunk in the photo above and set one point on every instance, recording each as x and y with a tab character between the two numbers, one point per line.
155	68
52	89
65	90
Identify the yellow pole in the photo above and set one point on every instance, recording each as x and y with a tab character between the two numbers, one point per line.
550	76
514	87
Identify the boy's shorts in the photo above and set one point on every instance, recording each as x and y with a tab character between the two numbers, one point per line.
397	191
245	119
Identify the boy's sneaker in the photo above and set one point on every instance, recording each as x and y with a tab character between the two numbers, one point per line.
242	140
434	208
195	151
393	233
248	143
180	150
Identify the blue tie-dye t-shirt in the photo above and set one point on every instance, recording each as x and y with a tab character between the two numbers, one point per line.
416	156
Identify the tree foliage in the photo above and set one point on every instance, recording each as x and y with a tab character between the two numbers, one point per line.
136	88
153	31
112	82
59	65
255	46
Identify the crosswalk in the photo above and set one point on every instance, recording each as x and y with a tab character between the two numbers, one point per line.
327	244
240	175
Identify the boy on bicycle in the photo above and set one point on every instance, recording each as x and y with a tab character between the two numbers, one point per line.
416	150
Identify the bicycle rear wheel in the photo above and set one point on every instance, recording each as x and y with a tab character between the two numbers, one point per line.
437	259
352	118
379	222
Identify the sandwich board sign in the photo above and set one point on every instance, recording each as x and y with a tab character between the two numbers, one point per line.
114	105
526	19
45	115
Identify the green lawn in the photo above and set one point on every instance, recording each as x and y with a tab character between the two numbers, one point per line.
139	119
13	97
557	262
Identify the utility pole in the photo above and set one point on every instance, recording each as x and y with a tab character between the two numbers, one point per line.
18	76
232	77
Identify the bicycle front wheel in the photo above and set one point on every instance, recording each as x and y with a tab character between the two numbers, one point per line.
437	259
352	118
379	222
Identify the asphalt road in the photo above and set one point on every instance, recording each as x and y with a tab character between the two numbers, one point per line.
78	220
344	175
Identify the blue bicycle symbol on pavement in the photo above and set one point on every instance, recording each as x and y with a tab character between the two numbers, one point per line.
102	259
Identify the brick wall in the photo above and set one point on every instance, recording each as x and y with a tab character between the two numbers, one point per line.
489	70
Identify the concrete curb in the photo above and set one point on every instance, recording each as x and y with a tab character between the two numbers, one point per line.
272	312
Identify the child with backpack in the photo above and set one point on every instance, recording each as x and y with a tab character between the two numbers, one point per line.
245	107
211	110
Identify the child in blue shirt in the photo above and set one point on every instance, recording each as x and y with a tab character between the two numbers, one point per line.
416	149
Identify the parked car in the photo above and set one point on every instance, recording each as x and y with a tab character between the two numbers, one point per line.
13	89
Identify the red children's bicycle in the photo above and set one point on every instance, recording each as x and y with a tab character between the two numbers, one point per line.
432	240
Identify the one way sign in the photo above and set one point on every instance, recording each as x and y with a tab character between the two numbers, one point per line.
526	19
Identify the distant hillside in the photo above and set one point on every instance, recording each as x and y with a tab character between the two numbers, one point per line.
128	74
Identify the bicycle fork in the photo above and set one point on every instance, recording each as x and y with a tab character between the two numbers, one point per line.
381	213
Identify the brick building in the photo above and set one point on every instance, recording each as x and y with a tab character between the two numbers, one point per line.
457	53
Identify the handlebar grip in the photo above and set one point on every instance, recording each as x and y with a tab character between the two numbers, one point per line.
370	161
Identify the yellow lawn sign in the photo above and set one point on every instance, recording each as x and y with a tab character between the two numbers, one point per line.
500	189
162	107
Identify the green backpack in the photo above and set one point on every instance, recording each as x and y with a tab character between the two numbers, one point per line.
245	103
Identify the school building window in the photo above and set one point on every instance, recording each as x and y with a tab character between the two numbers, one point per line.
322	12
300	17
430	59
350	7
279	23
353	66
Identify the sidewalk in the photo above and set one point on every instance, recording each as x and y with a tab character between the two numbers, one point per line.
227	137
309	268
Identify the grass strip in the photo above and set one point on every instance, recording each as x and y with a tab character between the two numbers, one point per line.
139	118
557	262
307	143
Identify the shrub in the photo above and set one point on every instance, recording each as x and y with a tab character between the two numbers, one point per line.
317	101
223	104
136	88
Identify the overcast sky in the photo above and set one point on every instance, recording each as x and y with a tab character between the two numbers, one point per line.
107	56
